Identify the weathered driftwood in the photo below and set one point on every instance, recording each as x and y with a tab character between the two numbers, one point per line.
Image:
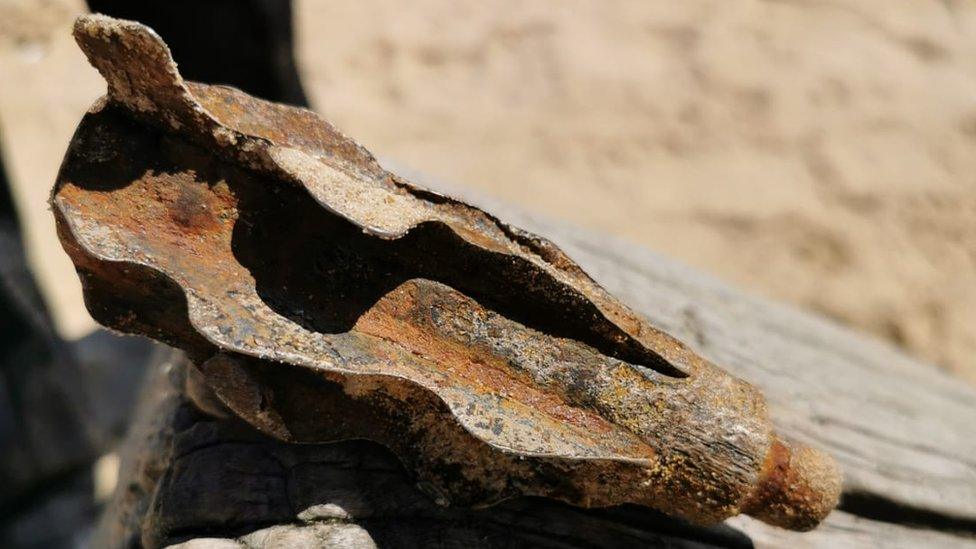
325	299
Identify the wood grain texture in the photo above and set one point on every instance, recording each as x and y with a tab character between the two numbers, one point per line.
901	429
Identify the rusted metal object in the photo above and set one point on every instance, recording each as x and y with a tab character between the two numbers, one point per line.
323	298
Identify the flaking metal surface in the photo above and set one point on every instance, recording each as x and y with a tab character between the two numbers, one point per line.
323	298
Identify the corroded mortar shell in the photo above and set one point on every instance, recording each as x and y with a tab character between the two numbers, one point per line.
323	298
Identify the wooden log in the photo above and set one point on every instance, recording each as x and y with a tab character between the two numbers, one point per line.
901	429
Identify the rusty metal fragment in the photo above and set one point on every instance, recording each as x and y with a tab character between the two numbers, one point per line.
323	298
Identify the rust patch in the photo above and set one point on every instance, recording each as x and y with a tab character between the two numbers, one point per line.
794	487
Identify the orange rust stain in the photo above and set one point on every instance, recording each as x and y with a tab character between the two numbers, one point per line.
775	471
390	319
169	213
194	208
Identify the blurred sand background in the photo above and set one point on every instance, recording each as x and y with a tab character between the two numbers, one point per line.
820	152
